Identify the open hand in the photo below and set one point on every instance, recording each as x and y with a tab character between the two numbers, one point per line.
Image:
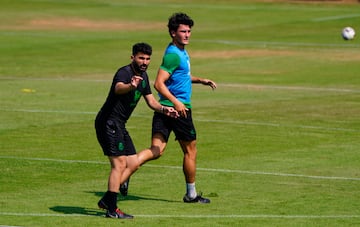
170	111
136	80
210	83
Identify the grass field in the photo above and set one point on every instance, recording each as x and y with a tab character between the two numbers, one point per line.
278	141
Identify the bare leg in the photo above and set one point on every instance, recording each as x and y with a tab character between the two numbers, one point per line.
189	169
133	162
118	165
157	148
189	161
109	200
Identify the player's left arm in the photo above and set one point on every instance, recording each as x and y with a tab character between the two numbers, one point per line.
155	105
198	80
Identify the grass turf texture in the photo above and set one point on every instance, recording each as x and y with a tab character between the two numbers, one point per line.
278	140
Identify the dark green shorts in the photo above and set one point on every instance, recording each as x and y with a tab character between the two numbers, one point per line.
114	138
183	128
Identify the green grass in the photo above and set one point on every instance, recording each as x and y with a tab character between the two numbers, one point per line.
278	140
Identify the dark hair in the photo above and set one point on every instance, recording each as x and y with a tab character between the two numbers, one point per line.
179	18
141	48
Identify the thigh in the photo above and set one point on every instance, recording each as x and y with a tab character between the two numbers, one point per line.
161	124
184	128
118	162
158	144
115	140
132	162
188	147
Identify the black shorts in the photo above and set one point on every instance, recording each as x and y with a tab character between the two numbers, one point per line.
113	138
183	128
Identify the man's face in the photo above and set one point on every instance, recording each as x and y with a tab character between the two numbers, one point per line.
182	35
141	61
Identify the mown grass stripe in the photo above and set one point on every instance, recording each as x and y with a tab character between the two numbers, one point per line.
241	216
199	169
268	124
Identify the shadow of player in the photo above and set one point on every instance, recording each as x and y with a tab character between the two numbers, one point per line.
73	210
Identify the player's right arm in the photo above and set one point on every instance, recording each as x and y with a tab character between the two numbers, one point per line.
123	88
160	86
170	63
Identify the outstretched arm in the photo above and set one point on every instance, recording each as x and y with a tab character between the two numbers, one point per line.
203	81
155	105
122	88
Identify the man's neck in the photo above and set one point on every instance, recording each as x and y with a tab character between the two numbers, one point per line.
178	45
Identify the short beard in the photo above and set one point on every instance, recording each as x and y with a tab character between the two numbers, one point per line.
136	69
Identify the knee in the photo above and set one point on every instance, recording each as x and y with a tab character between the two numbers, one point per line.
136	165
133	163
190	150
190	155
118	163
156	151
135	168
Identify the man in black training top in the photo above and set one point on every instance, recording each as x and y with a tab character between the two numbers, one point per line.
129	84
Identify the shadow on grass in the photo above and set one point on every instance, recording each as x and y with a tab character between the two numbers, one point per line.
77	210
72	210
133	197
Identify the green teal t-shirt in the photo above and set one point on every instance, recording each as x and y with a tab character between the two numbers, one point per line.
177	63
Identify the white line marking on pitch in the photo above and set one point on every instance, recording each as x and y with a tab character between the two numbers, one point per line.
263	44
293	88
260	173
246	86
338	17
243	216
199	168
196	119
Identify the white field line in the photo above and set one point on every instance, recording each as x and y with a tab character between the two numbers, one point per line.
279	125
260	44
237	85
199	169
338	17
227	216
263	44
291	88
268	124
244	86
